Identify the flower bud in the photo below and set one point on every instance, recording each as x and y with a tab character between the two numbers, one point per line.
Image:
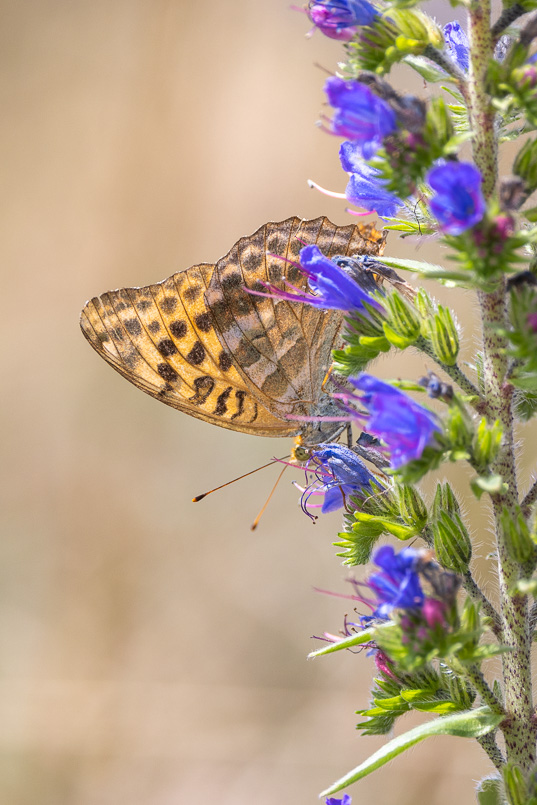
402	326
487	442
444	336
438	126
425	308
517	537
445	501
412	507
452	542
525	165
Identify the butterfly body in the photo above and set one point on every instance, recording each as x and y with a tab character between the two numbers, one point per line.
199	342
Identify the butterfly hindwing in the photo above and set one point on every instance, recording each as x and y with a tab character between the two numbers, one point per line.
283	348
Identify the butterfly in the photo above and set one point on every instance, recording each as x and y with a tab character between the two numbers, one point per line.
199	342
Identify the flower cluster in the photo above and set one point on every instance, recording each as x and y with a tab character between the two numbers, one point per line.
339	19
337	474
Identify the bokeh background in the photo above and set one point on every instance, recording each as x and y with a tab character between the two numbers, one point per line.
152	651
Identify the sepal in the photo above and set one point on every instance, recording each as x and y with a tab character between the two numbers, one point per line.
520	789
397	34
444	336
487	441
516	534
445	501
412	506
402	326
452	542
490	791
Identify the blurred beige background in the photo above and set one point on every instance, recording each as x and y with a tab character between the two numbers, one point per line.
152	651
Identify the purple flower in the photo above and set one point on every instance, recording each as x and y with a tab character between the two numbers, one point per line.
366	188
334	289
338	19
360	116
333	801
457	44
458	203
405	426
338	473
398	585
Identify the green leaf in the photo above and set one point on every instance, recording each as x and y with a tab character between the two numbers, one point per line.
424	701
396	529
468	724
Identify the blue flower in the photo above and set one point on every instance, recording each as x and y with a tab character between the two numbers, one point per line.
405	426
457	44
366	188
458	203
333	801
360	116
398	585
338	473
338	18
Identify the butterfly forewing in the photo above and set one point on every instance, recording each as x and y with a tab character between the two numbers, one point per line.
200	343
161	339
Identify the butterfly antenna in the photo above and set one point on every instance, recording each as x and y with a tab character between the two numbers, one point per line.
246	474
259	516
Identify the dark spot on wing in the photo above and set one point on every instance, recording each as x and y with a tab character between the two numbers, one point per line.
203	386
168	304
166	372
143	304
221	402
240	395
192	293
225	361
153	327
203	322
166	347
178	328
196	354
133	326
232	281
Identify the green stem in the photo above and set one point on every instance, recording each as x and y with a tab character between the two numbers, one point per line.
518	728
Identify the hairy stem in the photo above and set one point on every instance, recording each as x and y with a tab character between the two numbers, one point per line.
480	684
488	743
507	18
529	499
518	728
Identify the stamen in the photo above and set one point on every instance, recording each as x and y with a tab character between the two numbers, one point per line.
359	214
330	193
